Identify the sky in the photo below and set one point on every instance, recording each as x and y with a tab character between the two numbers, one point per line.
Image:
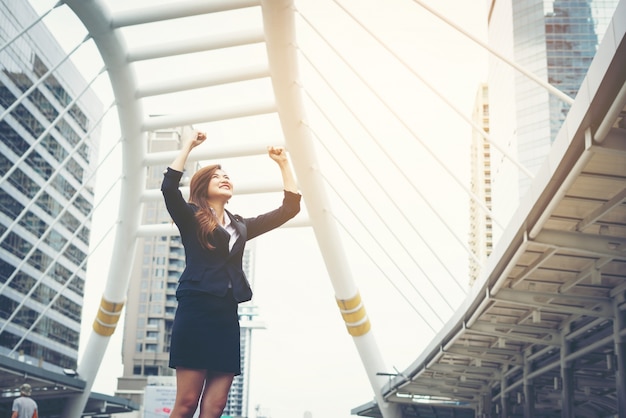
304	363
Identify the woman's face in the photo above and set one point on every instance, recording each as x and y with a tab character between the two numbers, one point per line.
220	186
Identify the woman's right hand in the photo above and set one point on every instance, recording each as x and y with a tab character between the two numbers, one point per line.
192	137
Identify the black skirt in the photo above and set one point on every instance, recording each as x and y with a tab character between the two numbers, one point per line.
205	334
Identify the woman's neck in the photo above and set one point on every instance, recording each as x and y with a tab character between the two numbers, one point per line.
218	210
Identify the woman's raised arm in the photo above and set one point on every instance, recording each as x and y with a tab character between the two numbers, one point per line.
190	139
279	154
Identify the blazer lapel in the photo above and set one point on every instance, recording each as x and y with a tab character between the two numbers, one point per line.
221	237
240	226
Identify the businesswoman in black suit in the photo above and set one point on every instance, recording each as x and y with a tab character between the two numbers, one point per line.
205	335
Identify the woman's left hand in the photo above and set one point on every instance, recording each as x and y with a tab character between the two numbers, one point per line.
278	154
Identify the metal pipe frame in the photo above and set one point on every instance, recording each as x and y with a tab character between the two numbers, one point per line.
279	24
620	355
96	17
279	31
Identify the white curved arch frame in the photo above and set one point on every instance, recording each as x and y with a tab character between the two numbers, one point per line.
278	21
97	19
280	39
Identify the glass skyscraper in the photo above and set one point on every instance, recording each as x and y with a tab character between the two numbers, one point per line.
556	40
573	30
48	147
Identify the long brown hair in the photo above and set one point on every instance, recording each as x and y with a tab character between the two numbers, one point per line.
199	196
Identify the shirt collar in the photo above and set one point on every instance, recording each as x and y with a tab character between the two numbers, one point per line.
226	218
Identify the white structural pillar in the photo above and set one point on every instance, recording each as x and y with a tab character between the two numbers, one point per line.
279	25
619	326
96	18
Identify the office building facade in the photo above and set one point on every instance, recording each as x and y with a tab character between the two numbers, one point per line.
555	40
481	223
49	137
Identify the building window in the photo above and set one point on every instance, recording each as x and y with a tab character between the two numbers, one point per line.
150	371
9	206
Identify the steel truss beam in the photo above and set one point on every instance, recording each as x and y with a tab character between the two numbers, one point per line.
584	243
554	302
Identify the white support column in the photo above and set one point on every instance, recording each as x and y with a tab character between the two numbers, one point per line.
504	394
529	388
97	19
567	378
619	325
278	19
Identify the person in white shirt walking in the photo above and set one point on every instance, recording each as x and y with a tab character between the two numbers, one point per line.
24	406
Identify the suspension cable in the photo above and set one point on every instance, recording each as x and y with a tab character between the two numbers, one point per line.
452	106
476	199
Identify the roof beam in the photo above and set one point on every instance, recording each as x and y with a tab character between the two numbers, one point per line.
414	399
593	268
558	302
174	10
437	386
470	372
212	115
534	266
206	79
190	46
602	210
496	355
531	298
614	143
494	330
524	329
218	151
249	187
584	243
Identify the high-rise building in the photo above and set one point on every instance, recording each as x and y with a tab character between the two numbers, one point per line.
555	40
237	405
49	134
151	305
151	299
481	223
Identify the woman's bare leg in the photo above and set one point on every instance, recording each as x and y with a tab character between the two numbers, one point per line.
215	394
189	386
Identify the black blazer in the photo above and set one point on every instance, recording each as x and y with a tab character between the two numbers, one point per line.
214	271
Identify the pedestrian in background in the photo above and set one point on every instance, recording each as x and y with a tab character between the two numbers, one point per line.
24	406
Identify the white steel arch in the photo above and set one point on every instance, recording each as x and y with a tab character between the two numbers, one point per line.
280	40
97	20
278	19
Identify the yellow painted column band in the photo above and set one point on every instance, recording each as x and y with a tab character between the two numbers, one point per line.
354	315
349	304
107	318
358	330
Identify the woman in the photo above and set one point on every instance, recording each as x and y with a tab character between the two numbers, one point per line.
205	335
